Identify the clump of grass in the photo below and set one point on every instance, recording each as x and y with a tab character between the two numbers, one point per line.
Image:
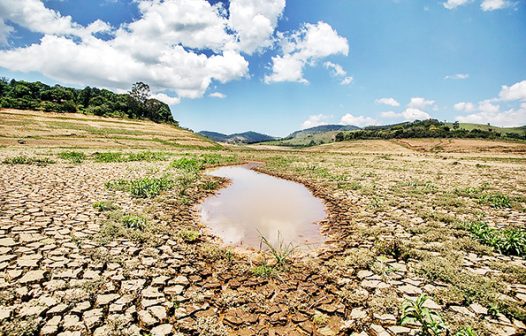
496	200
264	271
510	241
187	164
189	236
146	187
196	163
210	185
22	159
129	157
134	222
282	251
104	205
394	248
73	157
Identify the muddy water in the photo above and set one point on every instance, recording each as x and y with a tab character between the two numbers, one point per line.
256	204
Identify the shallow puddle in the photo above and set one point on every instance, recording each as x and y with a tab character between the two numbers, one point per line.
256	204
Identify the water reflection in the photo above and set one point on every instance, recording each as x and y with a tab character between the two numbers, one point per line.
256	203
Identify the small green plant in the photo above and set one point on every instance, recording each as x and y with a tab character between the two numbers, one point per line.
320	319
104	205
264	271
73	157
282	252
28	160
466	331
134	222
189	236
431	323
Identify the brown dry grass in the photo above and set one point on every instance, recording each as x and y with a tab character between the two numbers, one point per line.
46	129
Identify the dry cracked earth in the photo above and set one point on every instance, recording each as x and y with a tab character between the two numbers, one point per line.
393	234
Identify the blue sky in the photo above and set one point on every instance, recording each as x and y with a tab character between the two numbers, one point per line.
275	66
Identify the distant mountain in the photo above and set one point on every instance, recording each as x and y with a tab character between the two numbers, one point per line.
322	129
246	137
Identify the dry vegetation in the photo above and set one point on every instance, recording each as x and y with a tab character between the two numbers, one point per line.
109	242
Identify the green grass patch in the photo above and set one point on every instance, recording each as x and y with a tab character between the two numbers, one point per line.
509	241
496	200
147	187
22	159
73	157
264	271
189	236
134	222
130	157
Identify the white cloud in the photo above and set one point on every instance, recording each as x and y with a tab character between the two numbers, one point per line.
315	120
5	31
459	76
390	114
515	92
487	106
347	80
387	101
217	95
166	99
420	103
163	47
491	5
303	47
336	70
464	106
452	4
350	119
411	114
510	118
255	22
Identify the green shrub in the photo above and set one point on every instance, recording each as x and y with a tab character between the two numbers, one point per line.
28	160
134	222
73	157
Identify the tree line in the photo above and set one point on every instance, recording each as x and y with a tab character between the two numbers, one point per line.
430	128
136	104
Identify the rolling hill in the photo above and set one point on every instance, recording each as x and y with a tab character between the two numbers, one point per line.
238	138
313	136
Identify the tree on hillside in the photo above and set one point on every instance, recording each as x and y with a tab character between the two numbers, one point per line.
140	92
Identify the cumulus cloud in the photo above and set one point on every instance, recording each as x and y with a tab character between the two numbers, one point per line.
452	4
509	118
302	47
491	5
464	106
217	95
515	92
254	22
166	99
349	119
316	120
415	109
459	76
420	103
387	101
